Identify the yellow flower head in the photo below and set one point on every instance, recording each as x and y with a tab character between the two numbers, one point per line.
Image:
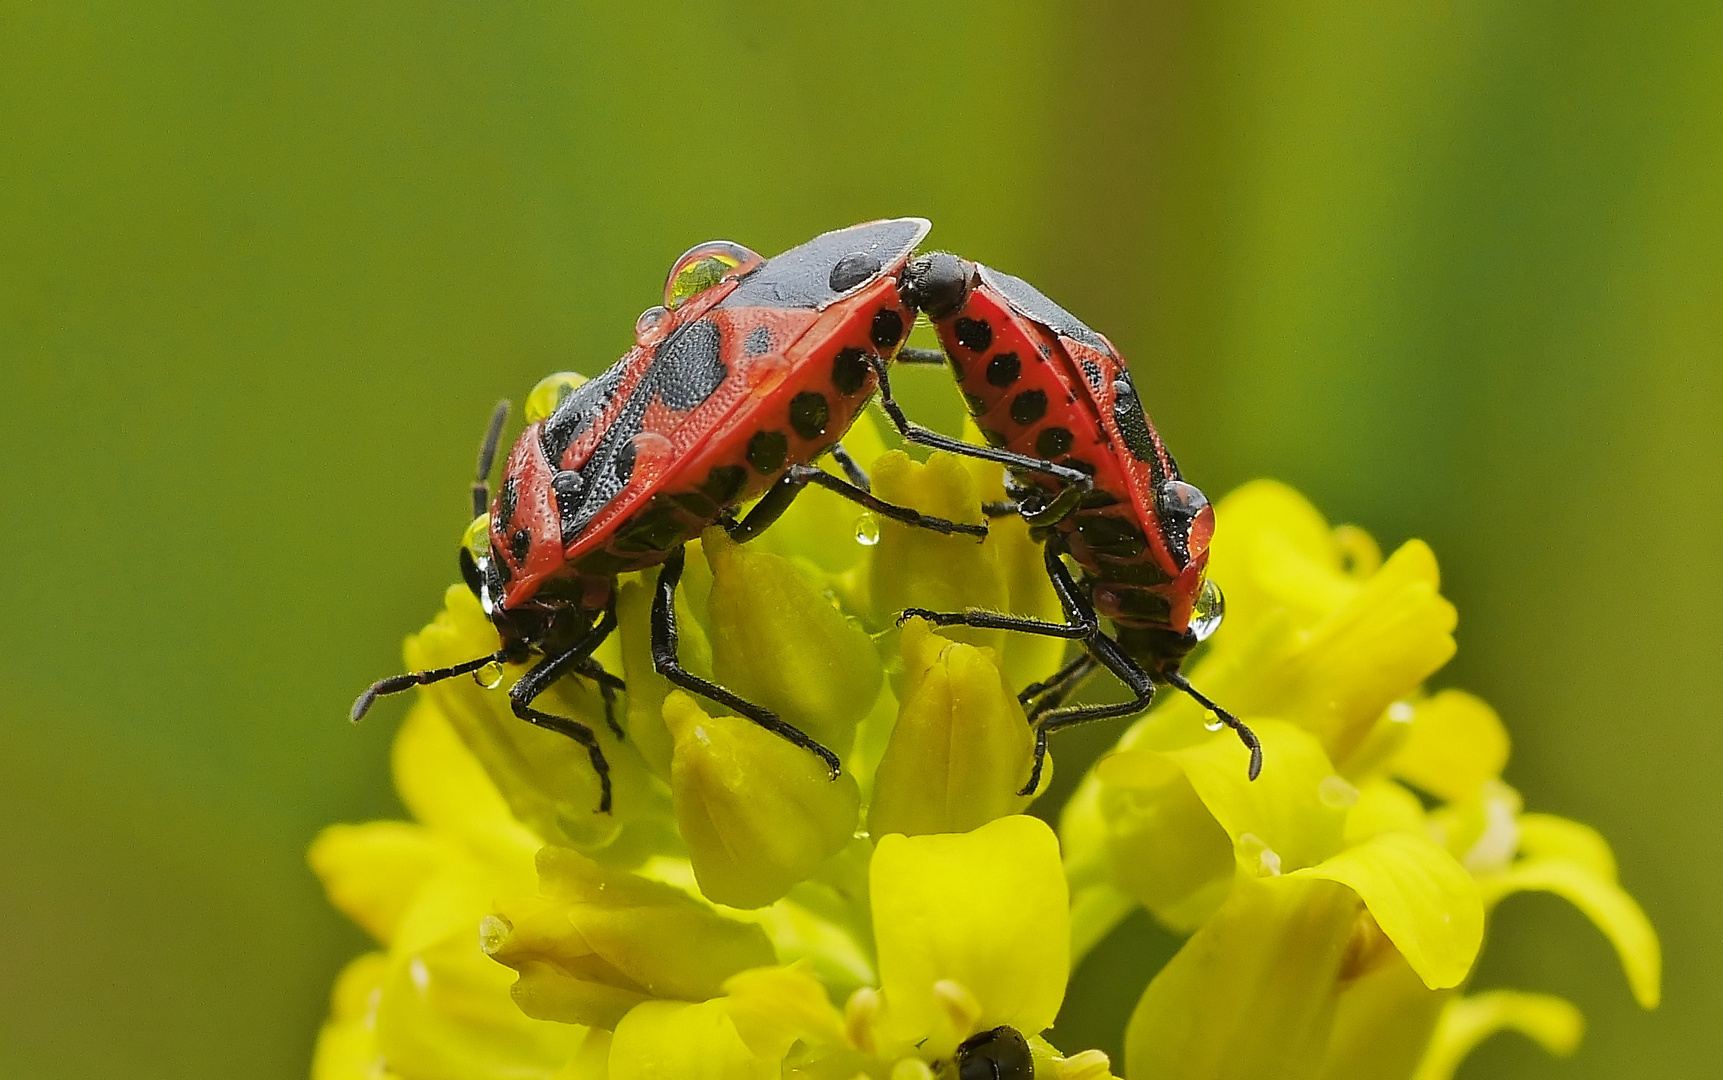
742	914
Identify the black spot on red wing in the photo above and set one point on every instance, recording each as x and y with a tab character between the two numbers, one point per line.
689	365
887	327
849	371
622	466
724	483
766	451
1133	422
520	544
973	334
975	404
759	341
568	486
802	276
1031	302
809	414
1003	369
993	437
1053	442
852	270
1029	406
1092	373
578	411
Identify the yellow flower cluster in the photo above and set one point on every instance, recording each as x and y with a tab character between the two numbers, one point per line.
741	915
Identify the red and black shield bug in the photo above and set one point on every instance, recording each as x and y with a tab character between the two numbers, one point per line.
750	370
1040	382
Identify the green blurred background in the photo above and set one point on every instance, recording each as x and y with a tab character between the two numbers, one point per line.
1454	268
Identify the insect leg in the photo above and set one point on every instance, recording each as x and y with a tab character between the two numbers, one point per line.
1107	651
1079	667
608	685
928	437
540	678
487	457
664	660
776	500
1245	735
1081	621
908	355
851	468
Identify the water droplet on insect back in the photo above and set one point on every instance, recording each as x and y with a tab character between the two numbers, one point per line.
651	327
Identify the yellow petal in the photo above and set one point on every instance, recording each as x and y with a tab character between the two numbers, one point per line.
1383	1022
913	567
985	909
664	1040
1549	1021
373	872
444	787
1455	743
1163	846
1602	901
347	1044
774	1007
1252	993
1423	900
758	813
1546	835
961	747
1273	552
1383	806
780	642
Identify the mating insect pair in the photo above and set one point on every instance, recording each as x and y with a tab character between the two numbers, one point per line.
752	369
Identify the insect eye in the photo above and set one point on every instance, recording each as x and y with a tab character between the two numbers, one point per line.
704	266
549	393
999	1054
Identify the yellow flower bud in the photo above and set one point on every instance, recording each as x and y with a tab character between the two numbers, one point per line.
962	746
779	641
758	813
596	942
913	567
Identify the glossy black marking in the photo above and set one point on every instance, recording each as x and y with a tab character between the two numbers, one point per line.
1133	422
688	366
1112	536
802	276
852	270
1003	369
973	334
937	284
1092	373
1052	442
506	500
577	412
999	1054
622	465
519	544
759	341
993	437
724	483
887	327
1029	301
1140	604
766	451
1029	406
809	414
695	504
850	370
976	405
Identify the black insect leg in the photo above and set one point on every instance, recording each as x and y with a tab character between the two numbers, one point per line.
908	355
394	684
545	673
851	467
608	685
487	457
1245	735
1081	622
665	661
1079	668
928	437
1108	652
779	497
1002	508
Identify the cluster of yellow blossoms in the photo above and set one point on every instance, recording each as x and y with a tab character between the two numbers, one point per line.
740	915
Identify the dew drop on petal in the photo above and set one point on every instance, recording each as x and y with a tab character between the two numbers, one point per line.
420	974
493	931
1336	793
1257	855
867	530
1401	712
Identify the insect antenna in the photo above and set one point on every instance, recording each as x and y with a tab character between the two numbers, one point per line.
1245	735
488	457
394	684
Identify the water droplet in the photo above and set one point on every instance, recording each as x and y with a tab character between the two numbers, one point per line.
1401	712
651	327
1214	725
867	530
493	933
1208	611
419	973
550	392
490	676
703	266
651	451
1336	793
1254	852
